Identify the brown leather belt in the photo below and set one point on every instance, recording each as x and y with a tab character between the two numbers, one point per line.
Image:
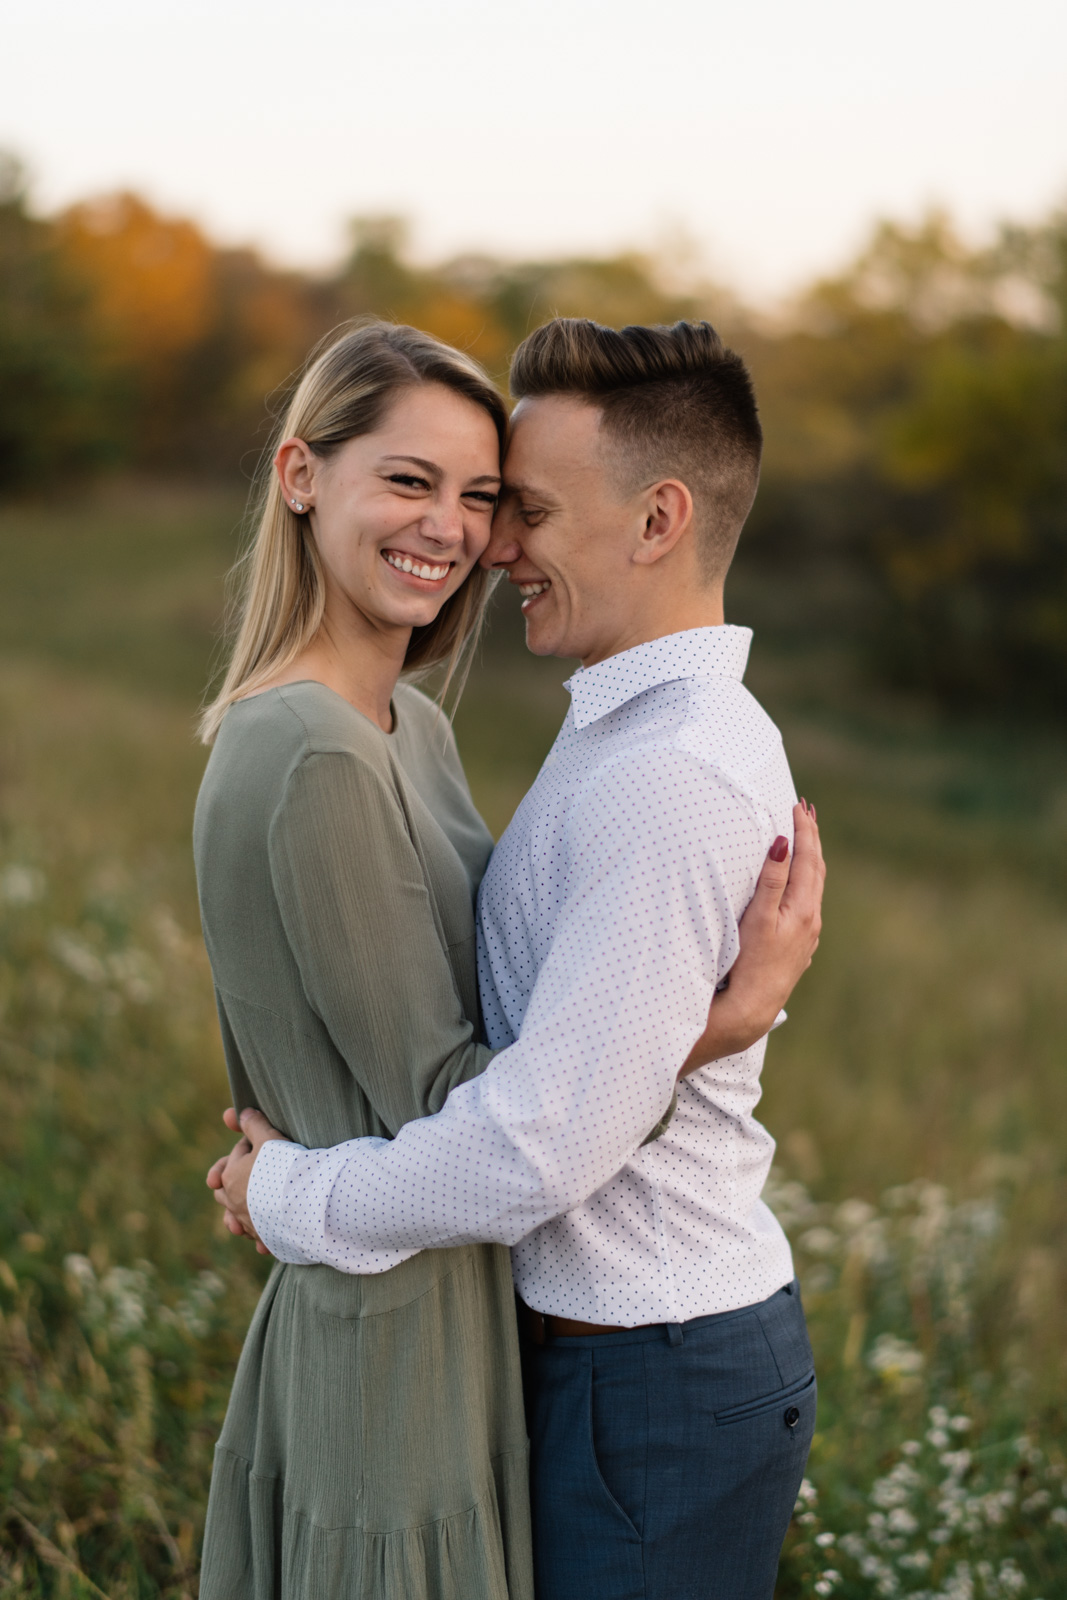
539	1326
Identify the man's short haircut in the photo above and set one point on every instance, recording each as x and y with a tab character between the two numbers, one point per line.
675	403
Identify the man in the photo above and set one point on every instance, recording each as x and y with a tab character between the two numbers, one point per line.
670	1384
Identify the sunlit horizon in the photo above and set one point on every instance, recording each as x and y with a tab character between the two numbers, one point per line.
754	149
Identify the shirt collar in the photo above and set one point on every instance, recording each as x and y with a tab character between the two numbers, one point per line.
595	691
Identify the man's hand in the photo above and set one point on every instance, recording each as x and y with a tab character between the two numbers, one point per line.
779	935
230	1174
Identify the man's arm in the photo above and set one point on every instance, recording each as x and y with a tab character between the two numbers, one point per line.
621	995
298	1194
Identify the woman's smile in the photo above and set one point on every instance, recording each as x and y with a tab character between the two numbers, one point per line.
421	572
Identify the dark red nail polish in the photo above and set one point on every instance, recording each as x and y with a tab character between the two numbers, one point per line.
779	849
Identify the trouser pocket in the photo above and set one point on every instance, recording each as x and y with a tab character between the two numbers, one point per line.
791	1399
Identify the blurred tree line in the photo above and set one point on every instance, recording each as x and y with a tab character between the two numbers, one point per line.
915	487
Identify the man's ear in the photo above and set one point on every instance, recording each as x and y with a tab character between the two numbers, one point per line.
667	509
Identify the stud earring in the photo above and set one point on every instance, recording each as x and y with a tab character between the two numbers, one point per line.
298	505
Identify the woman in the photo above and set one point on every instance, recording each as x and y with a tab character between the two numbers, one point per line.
374	1443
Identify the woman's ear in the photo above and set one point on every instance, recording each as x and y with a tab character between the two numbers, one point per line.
295	464
668	516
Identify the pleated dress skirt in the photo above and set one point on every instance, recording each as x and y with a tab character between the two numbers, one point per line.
375	1446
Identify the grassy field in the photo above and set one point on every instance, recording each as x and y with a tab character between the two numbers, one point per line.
918	1092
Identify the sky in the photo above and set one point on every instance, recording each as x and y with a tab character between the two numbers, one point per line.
768	134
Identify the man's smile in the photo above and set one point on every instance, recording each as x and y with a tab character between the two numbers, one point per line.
532	591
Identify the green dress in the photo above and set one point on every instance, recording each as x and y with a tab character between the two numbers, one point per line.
374	1447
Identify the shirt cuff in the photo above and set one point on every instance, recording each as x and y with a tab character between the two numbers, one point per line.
289	1200
266	1196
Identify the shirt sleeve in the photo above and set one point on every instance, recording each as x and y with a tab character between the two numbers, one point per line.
357	912
647	926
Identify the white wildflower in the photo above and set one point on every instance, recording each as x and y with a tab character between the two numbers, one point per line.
819	1241
960	1585
893	1357
851	1215
897	1486
21	886
1036	1501
886	1580
807	1494
938	1438
1010	1578
917	1561
959	1424
828	1582
900	1520
994	1507
938	1416
132	971
911	1447
1058	1515
77	957
789	1200
981	1217
852	1544
79	1270
126	1288
824	1540
194	1308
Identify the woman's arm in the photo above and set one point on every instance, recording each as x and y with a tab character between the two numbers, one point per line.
779	934
364	932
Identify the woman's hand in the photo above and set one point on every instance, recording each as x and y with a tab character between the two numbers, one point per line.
779	935
229	1176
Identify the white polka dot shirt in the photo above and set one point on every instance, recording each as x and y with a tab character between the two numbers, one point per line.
607	915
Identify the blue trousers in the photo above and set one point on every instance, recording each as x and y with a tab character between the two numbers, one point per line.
665	1461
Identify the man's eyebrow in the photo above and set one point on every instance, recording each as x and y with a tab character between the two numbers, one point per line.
512	486
435	471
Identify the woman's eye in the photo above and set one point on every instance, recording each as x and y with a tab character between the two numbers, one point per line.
408	480
483	497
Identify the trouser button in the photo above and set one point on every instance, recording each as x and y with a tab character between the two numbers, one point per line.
792	1417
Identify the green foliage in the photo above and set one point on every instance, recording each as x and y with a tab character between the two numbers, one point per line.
916	1483
917	415
54	400
915	485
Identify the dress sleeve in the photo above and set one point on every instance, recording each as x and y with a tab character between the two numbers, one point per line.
361	924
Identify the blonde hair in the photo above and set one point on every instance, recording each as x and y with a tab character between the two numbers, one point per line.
346	388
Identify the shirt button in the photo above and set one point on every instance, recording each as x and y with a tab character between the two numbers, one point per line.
792	1417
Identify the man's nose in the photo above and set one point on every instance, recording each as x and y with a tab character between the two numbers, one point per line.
503	549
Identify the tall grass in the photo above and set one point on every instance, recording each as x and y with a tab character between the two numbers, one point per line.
917	1093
